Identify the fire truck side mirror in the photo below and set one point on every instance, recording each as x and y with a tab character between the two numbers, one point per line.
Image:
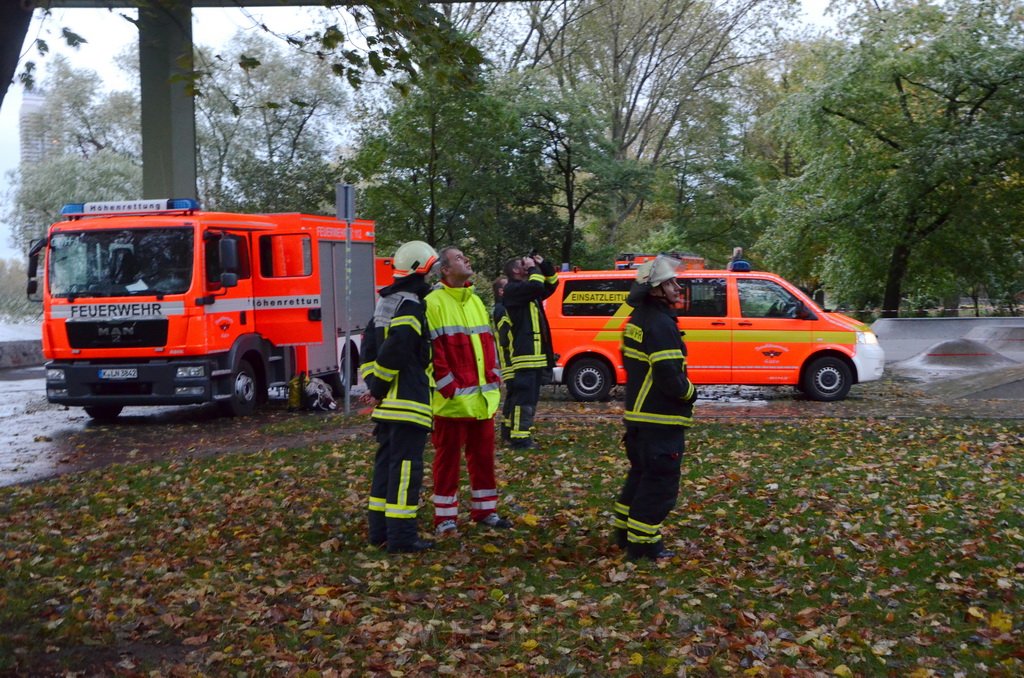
228	247
32	287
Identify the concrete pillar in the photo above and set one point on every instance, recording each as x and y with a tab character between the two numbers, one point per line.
168	109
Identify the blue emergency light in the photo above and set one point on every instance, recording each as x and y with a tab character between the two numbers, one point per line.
109	207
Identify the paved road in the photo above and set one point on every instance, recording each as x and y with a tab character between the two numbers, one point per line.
39	440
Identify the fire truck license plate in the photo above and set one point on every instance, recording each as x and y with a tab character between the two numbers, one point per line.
120	373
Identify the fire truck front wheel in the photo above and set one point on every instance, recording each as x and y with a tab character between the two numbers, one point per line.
103	412
589	379
244	391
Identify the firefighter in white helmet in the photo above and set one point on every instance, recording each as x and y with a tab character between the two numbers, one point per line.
659	409
396	368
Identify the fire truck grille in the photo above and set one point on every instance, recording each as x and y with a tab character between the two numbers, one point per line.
121	334
122	388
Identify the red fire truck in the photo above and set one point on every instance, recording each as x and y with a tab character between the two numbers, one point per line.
155	302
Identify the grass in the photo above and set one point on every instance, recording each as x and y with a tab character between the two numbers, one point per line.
854	547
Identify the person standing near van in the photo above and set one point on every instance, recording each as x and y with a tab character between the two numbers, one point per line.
658	410
468	390
531	280
396	368
501	325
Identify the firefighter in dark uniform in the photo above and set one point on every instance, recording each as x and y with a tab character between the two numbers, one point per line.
531	280
501	326
659	409
397	370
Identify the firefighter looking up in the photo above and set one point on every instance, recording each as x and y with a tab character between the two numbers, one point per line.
468	382
396	368
659	409
501	325
531	280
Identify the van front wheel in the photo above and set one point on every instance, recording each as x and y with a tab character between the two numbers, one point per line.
827	379
589	380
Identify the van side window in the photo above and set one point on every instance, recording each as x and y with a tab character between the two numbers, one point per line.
766	299
702	298
283	256
597	297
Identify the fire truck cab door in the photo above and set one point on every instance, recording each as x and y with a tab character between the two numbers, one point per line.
286	288
229	313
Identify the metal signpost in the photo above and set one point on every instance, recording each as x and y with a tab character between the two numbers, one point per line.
345	199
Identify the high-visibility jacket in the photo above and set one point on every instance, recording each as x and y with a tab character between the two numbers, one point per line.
396	354
531	335
466	367
658	391
501	324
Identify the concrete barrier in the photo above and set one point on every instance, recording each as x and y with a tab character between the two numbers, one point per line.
21	353
903	338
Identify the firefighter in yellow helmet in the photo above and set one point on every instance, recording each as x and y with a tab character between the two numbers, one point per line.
659	409
396	368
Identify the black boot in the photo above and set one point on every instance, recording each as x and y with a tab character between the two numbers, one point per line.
378	533
411	547
620	538
506	432
402	537
655	551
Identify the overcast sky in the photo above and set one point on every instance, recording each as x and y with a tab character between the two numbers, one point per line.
108	34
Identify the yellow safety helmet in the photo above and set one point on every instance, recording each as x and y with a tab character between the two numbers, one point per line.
657	270
414	256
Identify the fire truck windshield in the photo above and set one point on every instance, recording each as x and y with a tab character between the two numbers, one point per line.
121	262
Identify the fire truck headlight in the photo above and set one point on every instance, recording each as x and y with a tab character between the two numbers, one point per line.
54	374
190	371
867	338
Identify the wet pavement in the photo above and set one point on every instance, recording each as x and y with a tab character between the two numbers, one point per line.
39	440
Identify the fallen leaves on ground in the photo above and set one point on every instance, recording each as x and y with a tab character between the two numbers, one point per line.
826	547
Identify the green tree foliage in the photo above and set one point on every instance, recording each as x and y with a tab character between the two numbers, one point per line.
396	36
265	136
41	189
455	165
266	130
912	145
654	69
14	304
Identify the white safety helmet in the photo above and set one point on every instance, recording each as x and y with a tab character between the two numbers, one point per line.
414	256
657	270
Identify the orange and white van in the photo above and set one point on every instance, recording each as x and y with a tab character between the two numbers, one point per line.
155	302
740	328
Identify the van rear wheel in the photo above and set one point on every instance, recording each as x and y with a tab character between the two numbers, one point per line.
589	380
827	379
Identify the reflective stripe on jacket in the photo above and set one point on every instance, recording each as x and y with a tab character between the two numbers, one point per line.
465	354
501	324
658	391
396	355
531	335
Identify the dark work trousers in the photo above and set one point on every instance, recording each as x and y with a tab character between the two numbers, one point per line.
524	394
397	479
652	483
506	409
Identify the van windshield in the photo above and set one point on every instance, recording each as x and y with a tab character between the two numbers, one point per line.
121	262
